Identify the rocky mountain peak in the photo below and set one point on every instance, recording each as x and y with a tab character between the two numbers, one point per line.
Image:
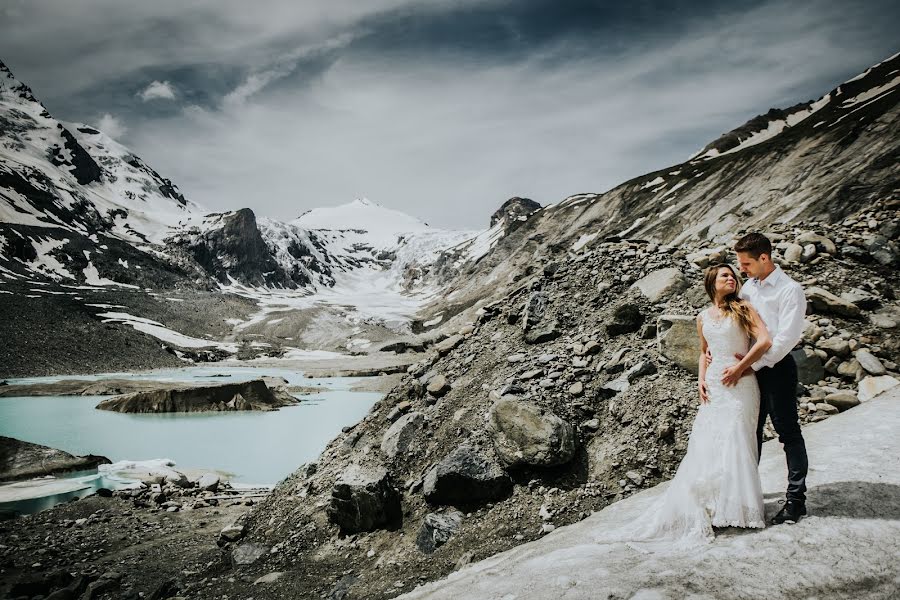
513	209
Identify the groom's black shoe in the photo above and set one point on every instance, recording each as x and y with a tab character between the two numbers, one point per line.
790	512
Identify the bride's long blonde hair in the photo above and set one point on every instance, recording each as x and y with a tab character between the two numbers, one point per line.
732	305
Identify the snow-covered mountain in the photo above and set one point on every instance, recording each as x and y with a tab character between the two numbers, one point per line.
63	182
76	178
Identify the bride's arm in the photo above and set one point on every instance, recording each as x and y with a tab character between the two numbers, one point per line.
702	364
732	374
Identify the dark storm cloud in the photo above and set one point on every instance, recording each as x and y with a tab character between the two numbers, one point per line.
441	108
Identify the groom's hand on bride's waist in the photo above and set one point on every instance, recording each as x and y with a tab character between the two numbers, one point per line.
732	375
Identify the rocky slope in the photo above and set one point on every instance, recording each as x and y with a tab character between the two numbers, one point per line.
854	503
819	161
572	392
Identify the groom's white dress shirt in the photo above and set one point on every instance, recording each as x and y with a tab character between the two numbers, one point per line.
781	304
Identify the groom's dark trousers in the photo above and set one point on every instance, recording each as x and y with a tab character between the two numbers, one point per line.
778	399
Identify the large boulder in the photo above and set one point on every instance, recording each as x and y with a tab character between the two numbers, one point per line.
466	476
824	301
400	436
364	499
661	284
677	340
809	366
436	529
525	435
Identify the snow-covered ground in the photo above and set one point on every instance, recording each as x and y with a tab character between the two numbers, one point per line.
846	548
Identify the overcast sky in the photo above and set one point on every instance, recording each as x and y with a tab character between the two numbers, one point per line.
440	108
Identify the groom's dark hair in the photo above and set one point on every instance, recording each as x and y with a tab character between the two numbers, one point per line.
754	244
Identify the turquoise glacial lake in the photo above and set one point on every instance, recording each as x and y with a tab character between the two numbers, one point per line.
253	447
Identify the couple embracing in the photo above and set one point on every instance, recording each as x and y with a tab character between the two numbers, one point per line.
746	373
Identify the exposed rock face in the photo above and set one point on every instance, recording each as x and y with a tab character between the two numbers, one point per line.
678	341
400	436
436	529
23	460
233	246
248	395
525	435
364	499
466	476
514	209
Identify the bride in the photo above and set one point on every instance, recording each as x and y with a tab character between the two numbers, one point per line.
717	483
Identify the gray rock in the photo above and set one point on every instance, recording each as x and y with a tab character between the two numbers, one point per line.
824	301
677	340
793	252
851	368
834	346
534	309
445	347
883	321
438	386
861	298
809	366
627	318
661	284
842	400
809	253
644	367
364	499
576	389
523	434
436	529
400	436
870	362
466	476
248	553
832	365
544	332
209	482
820	241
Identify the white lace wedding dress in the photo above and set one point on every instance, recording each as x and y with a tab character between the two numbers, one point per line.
717	483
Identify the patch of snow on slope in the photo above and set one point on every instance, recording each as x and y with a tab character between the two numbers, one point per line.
653	183
772	129
583	241
870	93
45	263
163	333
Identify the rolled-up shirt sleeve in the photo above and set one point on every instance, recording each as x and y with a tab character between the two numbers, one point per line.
791	320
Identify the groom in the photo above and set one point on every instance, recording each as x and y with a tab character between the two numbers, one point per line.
780	302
